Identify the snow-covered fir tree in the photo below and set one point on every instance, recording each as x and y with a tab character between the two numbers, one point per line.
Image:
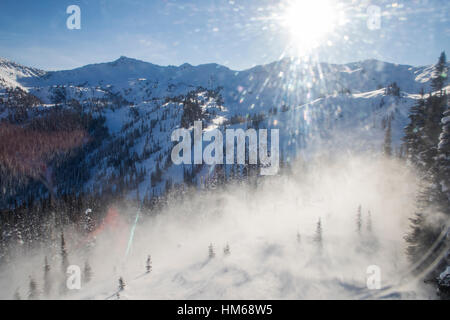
148	264
47	278
226	250
299	237
211	253
318	235
440	73
64	255
387	147
87	272
427	143
359	219
121	284
17	295
33	292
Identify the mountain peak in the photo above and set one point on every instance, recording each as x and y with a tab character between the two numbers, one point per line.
127	60
5	61
131	63
124	59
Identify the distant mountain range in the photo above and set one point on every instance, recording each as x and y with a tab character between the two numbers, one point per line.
342	107
288	81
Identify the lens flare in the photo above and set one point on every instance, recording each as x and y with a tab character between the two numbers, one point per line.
310	22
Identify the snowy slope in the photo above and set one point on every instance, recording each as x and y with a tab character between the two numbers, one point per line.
267	258
12	74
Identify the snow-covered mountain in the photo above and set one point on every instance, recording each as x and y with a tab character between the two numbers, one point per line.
313	104
288	81
12	74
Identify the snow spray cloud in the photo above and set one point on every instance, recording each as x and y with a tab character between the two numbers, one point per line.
243	241
212	154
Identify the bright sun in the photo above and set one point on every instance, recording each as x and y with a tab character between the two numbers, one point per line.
310	21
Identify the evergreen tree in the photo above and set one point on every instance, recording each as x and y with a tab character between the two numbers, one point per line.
138	196
433	201
421	237
47	280
443	158
422	132
369	222
87	272
148	264
191	111
393	89
64	258
299	237
412	138
33	293
318	236
88	221
443	283
17	295
121	284
442	189
226	250
211	253
435	107
440	73
359	219
388	140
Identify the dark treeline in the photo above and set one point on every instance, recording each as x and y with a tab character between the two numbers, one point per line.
427	148
45	152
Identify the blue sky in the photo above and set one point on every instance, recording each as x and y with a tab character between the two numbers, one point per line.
238	34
